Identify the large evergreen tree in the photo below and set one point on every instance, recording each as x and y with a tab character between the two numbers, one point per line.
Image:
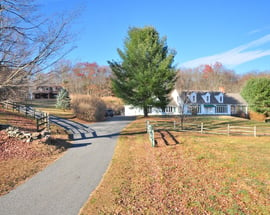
145	76
257	94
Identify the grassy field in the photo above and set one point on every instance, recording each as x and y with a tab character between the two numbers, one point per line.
203	174
48	106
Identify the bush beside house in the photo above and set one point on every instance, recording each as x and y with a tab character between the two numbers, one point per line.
88	108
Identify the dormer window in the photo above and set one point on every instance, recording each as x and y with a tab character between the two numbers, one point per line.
193	97
219	97
206	97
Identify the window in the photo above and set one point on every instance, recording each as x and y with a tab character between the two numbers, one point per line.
192	97
221	109
206	97
219	98
170	109
194	109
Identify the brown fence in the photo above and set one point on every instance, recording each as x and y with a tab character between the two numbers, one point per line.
43	122
42	118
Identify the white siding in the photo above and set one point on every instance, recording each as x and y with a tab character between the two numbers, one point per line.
132	111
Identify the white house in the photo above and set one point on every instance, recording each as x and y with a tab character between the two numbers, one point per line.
197	103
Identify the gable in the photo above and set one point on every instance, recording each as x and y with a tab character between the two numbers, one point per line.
219	97
193	97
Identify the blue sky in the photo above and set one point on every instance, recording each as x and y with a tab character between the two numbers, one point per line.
233	32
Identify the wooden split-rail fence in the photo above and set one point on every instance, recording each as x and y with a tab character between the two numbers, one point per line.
42	118
203	128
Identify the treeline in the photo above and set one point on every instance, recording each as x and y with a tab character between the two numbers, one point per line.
82	78
214	77
94	80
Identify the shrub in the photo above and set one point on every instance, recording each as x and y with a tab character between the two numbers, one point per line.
114	103
63	100
88	108
256	116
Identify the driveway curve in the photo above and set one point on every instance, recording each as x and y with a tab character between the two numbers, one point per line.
64	186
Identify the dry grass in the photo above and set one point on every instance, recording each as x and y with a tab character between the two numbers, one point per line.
203	174
20	160
17	120
48	106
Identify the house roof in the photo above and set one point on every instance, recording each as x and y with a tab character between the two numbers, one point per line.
234	98
228	98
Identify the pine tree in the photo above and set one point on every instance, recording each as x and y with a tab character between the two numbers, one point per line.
257	93
145	76
63	100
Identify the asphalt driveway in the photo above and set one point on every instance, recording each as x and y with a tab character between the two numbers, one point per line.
64	186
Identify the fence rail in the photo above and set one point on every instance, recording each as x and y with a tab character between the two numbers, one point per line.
225	129
42	118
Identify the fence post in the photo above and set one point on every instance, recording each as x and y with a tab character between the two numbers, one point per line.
147	126
201	127
174	124
255	131
228	129
152	135
37	124
48	121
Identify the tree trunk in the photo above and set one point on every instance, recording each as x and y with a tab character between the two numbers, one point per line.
182	121
145	111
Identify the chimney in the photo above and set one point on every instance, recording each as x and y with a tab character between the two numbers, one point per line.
221	89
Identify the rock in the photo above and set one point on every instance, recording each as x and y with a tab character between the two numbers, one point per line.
36	135
15	132
29	140
27	135
45	132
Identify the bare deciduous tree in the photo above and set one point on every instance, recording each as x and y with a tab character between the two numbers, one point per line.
91	79
208	77
28	43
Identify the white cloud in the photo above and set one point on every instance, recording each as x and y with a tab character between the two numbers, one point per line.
255	31
236	56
